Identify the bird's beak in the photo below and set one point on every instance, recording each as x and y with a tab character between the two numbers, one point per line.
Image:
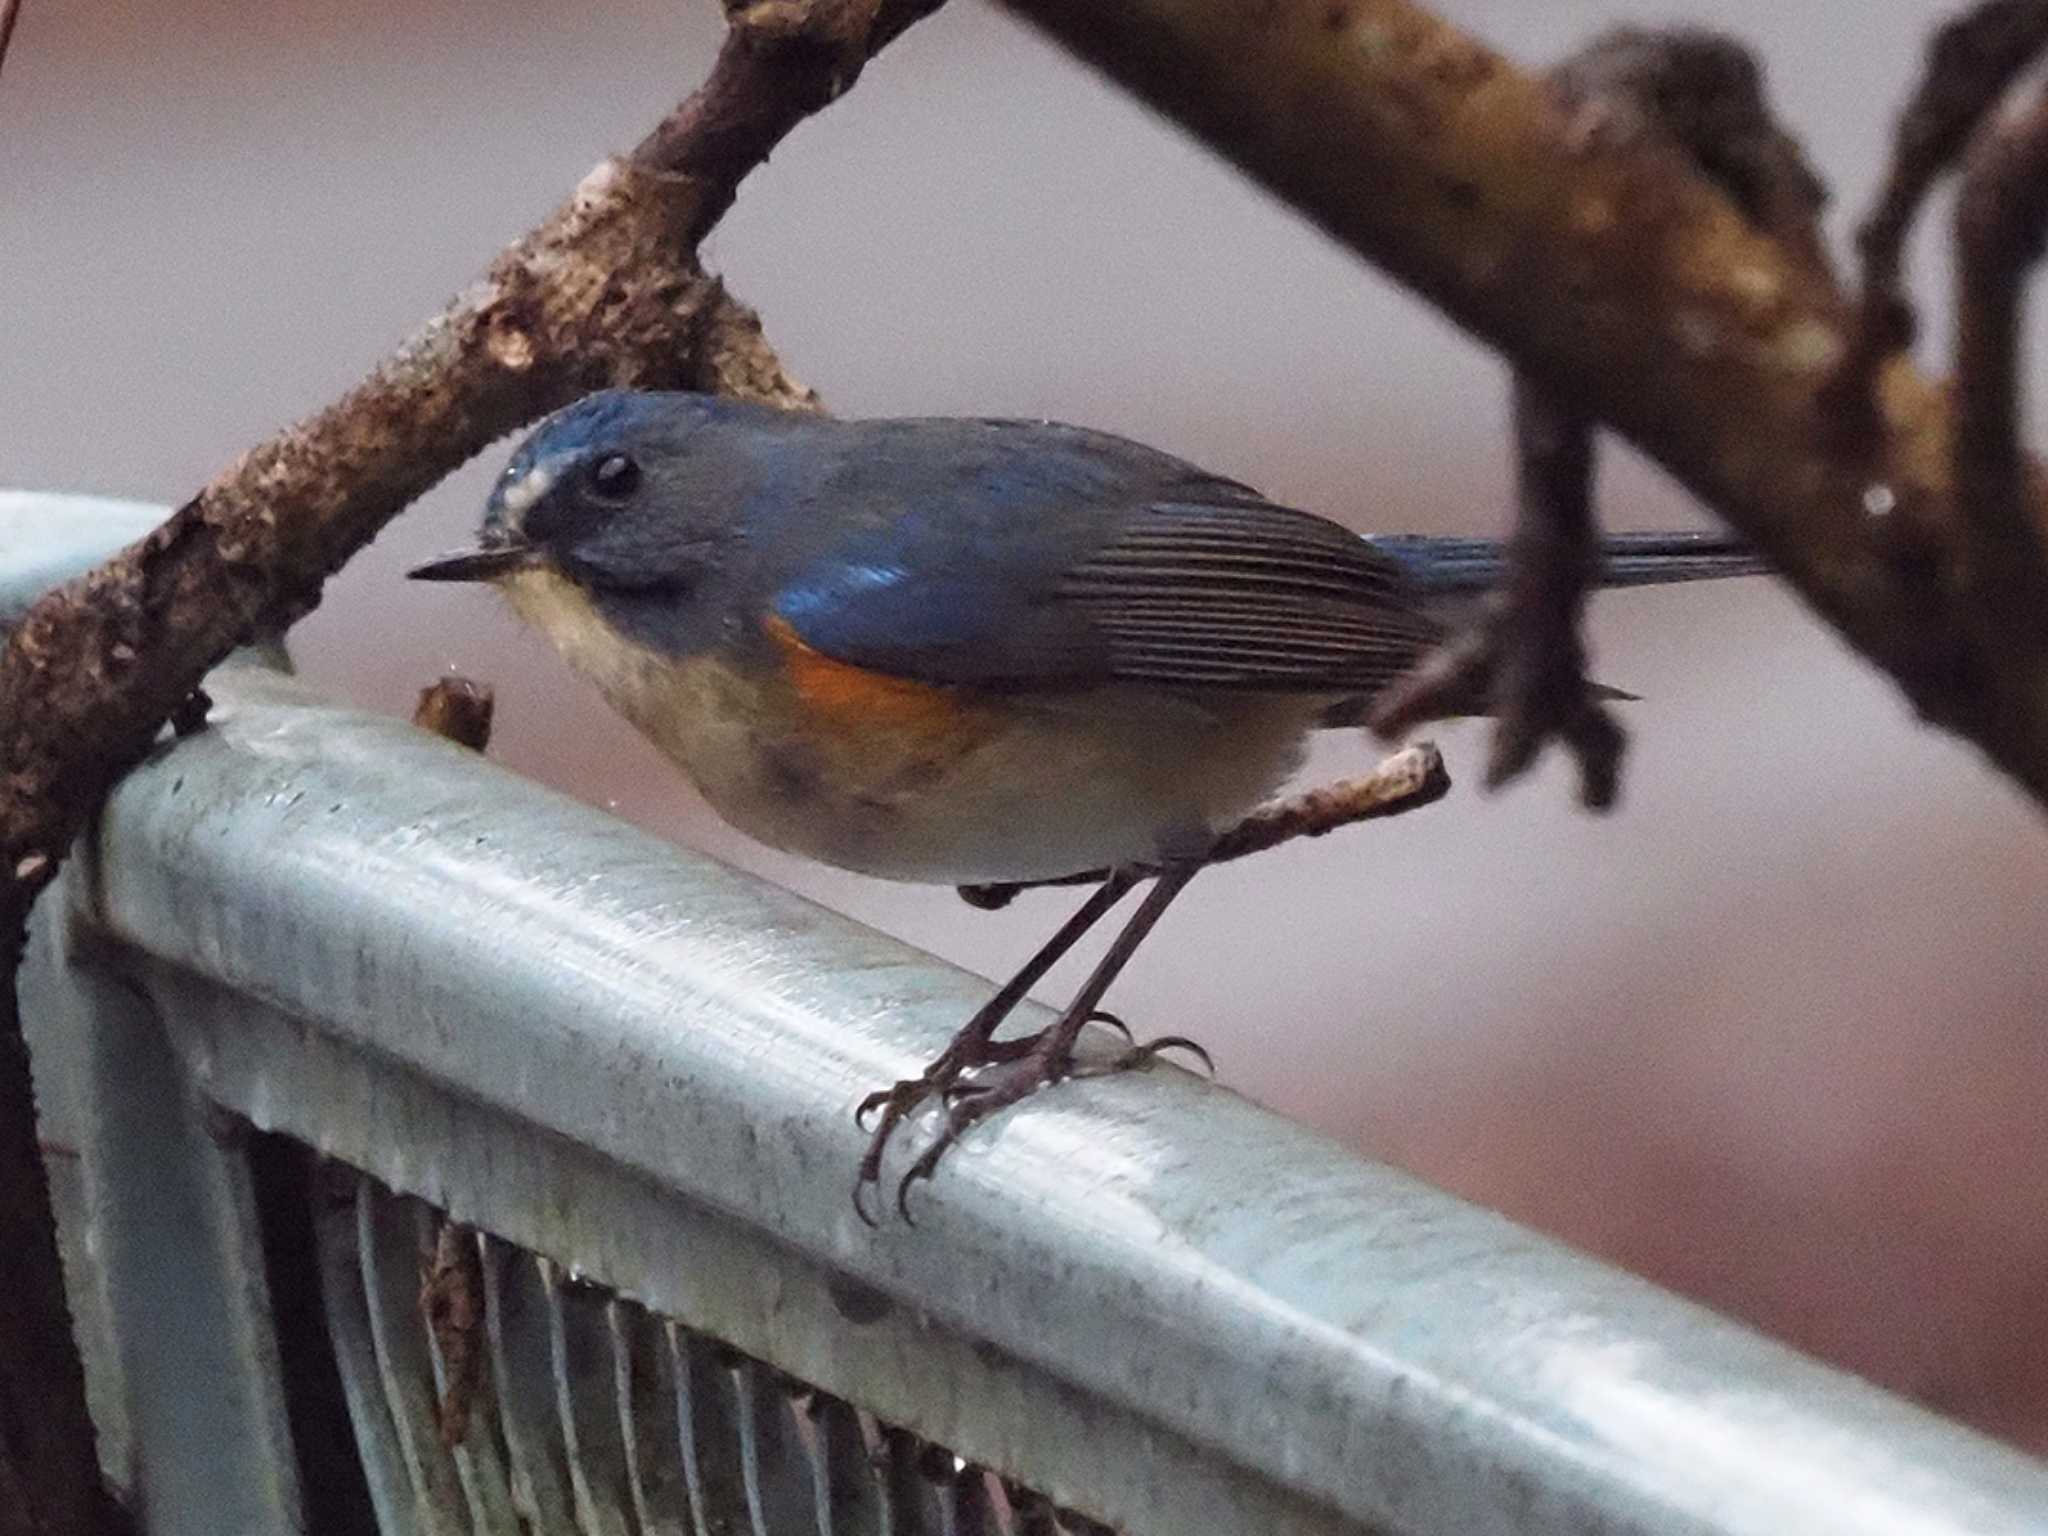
485	563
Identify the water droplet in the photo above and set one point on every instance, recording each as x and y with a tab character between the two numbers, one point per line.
1879	500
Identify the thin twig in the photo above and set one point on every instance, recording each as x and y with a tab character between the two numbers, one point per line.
452	1306
1408	780
458	709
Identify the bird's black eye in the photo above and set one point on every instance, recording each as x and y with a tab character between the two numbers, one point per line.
614	477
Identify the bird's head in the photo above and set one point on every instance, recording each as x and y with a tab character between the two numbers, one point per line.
604	493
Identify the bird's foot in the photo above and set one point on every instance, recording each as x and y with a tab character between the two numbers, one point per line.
973	1081
943	1080
1031	1062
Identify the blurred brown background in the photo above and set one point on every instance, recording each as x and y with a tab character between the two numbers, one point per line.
1770	1034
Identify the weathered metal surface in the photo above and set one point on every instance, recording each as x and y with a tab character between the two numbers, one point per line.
47	538
187	1358
658	1430
1140	1296
466	958
731	1280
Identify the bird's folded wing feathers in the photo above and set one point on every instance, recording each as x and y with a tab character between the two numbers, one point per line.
1200	584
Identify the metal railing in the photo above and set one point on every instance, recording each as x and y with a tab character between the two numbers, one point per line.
1141	1301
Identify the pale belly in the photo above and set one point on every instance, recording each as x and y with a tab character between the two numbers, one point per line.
1017	788
1060	786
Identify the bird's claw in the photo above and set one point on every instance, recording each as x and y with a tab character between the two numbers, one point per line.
940	1080
967	1104
895	1102
967	1101
1104	1016
1138	1055
873	1102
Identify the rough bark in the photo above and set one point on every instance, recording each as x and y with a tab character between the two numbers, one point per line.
607	291
1666	314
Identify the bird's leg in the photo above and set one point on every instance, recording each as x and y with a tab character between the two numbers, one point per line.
974	1046
1410	779
1050	1054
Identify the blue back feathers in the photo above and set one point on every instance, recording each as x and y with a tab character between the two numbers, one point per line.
996	554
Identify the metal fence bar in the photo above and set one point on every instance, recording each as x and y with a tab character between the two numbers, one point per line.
392	1487
1157	1248
170	1238
1141	1296
390	1268
516	1325
47	538
647	1413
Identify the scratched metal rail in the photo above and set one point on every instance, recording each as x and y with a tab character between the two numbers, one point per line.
309	934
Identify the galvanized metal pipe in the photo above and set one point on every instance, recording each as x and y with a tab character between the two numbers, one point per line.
1141	1294
1331	1326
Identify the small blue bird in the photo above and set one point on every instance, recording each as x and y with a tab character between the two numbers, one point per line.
968	651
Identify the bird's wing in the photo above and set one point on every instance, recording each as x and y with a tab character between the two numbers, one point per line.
1046	557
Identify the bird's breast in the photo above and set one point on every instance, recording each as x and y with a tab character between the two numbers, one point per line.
912	781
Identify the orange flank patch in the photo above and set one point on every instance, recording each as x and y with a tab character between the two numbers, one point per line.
854	698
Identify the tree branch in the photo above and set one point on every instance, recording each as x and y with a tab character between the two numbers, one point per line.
2001	219
1524	658
606	292
458	709
1666	314
1407	781
1971	62
10	13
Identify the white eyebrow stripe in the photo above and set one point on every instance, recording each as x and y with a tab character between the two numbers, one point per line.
522	493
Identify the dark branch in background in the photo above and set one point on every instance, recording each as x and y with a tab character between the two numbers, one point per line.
606	292
1701	94
1407	781
1686	314
1666	313
451	1298
1526	650
10	13
2001	218
1971	63
1539	682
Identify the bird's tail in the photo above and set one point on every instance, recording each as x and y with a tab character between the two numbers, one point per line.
1449	566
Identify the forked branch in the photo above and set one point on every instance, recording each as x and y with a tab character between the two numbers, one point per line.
607	291
1667	313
